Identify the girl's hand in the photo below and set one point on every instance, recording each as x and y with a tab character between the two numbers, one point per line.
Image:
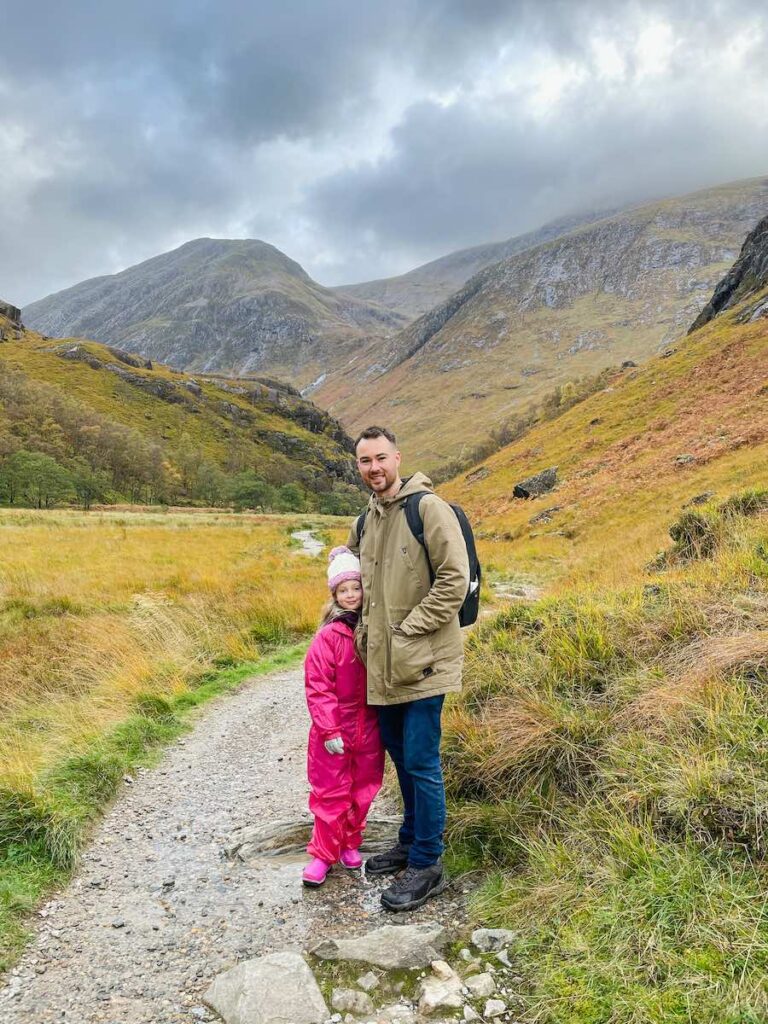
334	746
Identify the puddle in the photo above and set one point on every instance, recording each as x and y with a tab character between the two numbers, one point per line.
310	545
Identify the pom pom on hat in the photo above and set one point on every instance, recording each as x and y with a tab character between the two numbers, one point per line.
342	565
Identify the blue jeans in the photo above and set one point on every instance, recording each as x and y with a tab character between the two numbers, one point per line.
411	735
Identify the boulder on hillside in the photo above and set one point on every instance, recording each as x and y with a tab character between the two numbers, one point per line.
392	946
272	989
536	485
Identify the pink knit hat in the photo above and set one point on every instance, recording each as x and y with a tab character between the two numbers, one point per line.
342	565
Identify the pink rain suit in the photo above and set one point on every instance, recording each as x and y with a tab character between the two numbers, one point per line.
342	785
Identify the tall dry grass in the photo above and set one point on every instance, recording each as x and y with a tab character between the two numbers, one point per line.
99	610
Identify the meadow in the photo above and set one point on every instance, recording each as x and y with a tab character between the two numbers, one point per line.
113	626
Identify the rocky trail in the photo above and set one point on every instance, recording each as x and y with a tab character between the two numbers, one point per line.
158	909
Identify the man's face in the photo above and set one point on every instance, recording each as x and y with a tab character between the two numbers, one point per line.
378	462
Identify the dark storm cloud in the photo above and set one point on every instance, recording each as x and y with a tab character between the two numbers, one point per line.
351	134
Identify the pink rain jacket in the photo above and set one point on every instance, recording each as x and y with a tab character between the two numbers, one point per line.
342	785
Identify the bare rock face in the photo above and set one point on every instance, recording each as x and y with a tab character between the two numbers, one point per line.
533	486
274	989
748	275
391	947
13	313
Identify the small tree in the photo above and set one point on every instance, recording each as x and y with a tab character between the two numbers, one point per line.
250	491
211	484
90	484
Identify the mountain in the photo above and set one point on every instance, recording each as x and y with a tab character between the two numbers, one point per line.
149	433
215	304
620	289
682	429
416	292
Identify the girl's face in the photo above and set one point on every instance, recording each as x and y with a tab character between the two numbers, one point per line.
349	595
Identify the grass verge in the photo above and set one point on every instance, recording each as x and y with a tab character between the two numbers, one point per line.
607	767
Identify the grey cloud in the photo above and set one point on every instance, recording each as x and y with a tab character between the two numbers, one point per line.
147	119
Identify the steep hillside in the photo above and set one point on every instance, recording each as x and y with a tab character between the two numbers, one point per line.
143	432
683	427
618	290
213	304
416	292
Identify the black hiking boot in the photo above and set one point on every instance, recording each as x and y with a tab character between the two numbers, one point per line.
414	887
389	862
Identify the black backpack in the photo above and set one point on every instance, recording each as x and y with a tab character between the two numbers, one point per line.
470	608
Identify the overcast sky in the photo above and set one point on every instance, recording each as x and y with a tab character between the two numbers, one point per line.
362	137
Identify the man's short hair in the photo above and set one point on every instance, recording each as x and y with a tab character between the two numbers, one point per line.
373	432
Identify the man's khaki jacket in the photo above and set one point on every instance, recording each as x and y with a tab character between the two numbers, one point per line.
414	645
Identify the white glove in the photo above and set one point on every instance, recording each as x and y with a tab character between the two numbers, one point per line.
334	746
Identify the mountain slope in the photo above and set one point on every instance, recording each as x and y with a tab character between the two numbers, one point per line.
154	434
214	304
620	289
416	292
694	423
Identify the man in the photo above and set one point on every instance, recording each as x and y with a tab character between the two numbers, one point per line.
411	599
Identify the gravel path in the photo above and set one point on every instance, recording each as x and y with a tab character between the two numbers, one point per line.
155	911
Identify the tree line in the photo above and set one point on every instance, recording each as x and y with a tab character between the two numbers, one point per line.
55	451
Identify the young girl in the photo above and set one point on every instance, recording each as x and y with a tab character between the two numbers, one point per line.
345	759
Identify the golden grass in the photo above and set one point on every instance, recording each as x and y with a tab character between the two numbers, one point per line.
98	610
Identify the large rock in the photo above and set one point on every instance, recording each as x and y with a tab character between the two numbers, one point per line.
392	946
275	989
536	485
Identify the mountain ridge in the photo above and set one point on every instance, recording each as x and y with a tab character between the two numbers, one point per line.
216	304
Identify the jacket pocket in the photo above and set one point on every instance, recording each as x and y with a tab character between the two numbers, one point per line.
412	658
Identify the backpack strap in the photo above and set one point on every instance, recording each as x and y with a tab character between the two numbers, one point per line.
360	525
416	524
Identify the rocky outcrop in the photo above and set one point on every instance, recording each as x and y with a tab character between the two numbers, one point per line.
12	313
747	276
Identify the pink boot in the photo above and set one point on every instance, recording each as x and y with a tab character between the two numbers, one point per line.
314	874
351	859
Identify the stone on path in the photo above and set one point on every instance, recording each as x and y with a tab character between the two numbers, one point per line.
481	985
391	947
275	989
368	982
494	1007
352	1001
442	989
488	940
470	1013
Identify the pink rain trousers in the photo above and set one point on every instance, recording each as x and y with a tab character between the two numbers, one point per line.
342	785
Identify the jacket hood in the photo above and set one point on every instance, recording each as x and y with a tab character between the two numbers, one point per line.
414	483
